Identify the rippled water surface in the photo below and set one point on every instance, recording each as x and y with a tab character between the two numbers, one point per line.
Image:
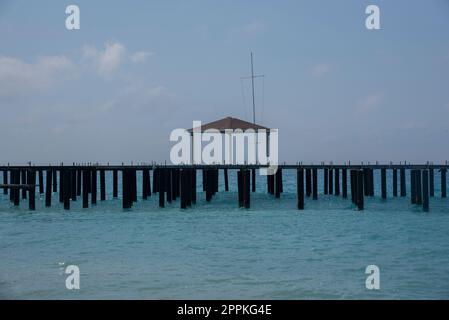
216	250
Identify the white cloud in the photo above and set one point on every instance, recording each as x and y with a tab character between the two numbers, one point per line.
140	56
319	70
108	60
18	76
370	102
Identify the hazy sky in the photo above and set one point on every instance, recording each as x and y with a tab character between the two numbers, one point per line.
114	90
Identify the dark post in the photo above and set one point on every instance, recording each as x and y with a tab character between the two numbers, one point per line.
443	182
431	183
337	181
403	186
144	183
41	181
344	182
383	174
425	190
371	179
115	183
16	191
247	184
73	184
326	180
240	187
5	181
48	179
331	181
126	196
24	181
78	182
168	186
55	180
308	182
182	201
226	181
161	187
85	188
278	183
193	173
412	186
395	182
300	188
353	186
360	193
253	178
94	186
61	186
66	188
32	191
315	184
102	185
418	187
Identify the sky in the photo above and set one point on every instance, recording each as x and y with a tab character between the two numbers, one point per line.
115	89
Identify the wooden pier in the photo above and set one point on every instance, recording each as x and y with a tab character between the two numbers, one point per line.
179	183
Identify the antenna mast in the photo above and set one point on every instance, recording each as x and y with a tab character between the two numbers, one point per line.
252	86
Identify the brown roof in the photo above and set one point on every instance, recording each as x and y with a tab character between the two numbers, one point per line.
230	123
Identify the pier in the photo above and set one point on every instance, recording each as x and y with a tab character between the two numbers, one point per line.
178	183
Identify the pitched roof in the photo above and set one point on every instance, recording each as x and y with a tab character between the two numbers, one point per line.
230	123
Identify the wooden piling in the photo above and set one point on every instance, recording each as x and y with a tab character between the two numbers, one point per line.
443	182
78	182
226	179
246	188
5	181
253	180
61	185
383	174
331	181
31	176
168	186
115	183
48	180
145	173
55	180
161	187
73	176
413	186
93	191
431	183
183	202
278	183
360	192
41	181
425	190
66	188
315	184
337	181
86	179
126	189
308	182
344	183
16	198
23	175
300	188
240	187
326	180
418	187
395	182
193	185
403	185
102	185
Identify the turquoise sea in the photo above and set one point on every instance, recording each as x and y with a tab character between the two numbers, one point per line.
217	251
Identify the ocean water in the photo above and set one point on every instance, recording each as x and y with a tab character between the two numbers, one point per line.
217	251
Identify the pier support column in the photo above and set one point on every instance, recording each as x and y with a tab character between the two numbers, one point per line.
253	180
300	188
86	179
443	182
315	184
66	188
431	183
395	182
78	182
102	185
403	185
48	180
240	187
226	179
144	183
278	183
32	191
161	187
308	182
5	181
425	190
383	174
344	183
337	181
24	181
331	181
326	180
114	183
41	181
93	190
360	193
